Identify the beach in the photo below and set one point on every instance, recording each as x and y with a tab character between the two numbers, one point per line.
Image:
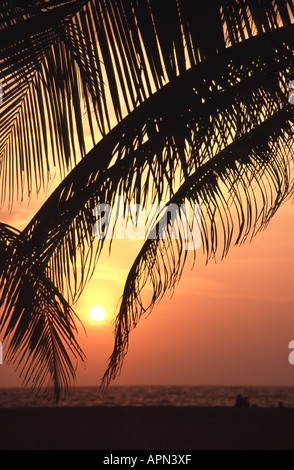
146	428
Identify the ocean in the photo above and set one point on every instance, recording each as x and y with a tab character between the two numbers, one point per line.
268	397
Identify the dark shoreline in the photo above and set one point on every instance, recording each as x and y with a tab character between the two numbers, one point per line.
146	428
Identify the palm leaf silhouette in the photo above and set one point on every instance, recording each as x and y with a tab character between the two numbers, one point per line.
176	111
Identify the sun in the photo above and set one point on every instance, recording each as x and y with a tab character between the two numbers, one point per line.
97	313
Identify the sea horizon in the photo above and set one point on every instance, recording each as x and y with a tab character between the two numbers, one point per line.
267	396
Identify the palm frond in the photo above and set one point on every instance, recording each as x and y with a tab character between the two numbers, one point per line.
100	59
39	324
41	115
211	107
254	169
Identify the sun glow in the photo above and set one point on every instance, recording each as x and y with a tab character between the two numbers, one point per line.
97	313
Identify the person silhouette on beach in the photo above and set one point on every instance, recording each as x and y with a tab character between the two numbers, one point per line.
242	402
239	401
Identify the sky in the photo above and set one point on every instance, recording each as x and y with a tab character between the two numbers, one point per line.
227	323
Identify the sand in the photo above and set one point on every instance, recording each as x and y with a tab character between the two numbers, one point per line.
146	428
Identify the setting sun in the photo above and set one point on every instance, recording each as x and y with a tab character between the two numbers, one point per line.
97	313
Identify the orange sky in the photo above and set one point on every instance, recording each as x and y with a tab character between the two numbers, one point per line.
227	323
